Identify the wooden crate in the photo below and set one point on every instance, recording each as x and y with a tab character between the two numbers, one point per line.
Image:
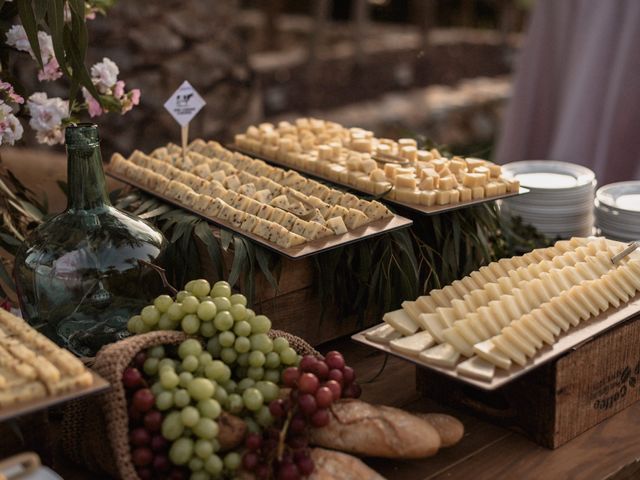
296	306
562	399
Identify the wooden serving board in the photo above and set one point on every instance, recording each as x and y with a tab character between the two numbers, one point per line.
431	210
572	339
313	247
99	385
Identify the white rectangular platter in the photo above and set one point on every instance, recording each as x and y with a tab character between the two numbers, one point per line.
313	247
570	340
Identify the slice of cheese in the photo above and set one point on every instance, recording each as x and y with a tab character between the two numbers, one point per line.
355	218
531	324
443	355
432	323
337	225
412	310
399	320
457	341
477	367
426	304
488	351
383	334
413	344
507	348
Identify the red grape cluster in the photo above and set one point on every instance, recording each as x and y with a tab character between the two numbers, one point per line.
149	449
315	384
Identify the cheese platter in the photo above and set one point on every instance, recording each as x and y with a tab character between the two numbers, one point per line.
398	171
295	217
515	316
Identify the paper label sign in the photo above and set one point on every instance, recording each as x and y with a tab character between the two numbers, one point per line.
184	104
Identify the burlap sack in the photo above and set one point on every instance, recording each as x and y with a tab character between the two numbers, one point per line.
96	429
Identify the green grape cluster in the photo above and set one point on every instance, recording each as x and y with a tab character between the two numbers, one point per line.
237	371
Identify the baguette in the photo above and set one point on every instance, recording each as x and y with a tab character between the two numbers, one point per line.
449	428
330	465
376	431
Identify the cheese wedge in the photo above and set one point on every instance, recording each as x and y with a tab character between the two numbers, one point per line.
488	351
337	225
399	320
507	348
477	367
457	341
443	355
413	344
383	334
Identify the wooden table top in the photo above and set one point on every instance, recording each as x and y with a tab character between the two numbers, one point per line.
610	450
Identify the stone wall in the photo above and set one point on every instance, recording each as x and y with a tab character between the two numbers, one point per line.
160	43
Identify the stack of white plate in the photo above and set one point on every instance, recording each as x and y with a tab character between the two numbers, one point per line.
560	198
618	211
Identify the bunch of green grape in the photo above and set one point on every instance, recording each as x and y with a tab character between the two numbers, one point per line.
238	371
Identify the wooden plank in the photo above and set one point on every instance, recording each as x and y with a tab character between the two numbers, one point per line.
312	247
300	313
599	379
596	454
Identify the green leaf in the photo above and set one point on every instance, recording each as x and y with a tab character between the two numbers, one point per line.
226	237
76	59
30	25
55	20
263	257
239	260
40	8
204	233
155	212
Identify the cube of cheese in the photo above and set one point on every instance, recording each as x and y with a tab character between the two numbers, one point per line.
377	175
427	183
443	197
407	181
428	198
474	162
337	225
390	170
491	189
407	195
465	193
477	193
474	179
447	183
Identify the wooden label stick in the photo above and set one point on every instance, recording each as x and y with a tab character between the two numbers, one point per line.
184	131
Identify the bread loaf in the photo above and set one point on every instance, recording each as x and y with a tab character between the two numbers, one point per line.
330	465
449	428
376	431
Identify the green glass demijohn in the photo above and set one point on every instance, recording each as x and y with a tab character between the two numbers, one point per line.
79	277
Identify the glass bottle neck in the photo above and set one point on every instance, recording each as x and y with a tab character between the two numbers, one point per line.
86	183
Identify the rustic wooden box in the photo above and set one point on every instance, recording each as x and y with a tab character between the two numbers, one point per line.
560	400
296	306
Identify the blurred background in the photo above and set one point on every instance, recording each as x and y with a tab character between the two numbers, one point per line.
435	68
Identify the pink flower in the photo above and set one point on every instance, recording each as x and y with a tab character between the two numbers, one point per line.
104	75
118	89
11	94
51	71
135	96
130	100
47	116
94	108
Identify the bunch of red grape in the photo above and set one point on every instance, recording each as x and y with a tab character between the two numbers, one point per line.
149	449
315	384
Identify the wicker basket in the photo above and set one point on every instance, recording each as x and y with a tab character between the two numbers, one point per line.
88	422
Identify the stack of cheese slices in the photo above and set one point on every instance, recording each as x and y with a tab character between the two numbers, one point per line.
32	367
505	312
355	157
278	205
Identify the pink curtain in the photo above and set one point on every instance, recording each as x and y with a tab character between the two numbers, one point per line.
577	88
